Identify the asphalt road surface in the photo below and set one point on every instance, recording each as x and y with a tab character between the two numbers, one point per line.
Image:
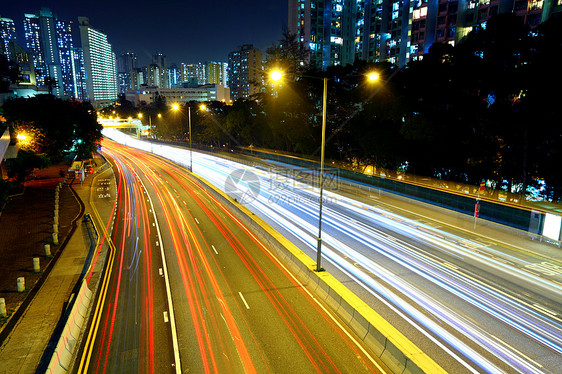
192	290
472	303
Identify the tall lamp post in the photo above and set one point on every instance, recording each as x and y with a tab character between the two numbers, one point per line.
277	75
176	107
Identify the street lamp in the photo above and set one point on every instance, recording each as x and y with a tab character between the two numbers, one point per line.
372	76
176	107
276	76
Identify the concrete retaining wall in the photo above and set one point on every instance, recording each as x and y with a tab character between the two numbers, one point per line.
65	350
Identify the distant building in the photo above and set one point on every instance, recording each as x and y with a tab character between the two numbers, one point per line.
245	72
49	40
161	61
24	60
100	65
189	72
216	73
338	32
153	76
79	72
211	92
174	76
126	62
7	35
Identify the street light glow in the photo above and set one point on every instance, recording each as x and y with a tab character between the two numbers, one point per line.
175	106
276	75
203	107
139	115
373	76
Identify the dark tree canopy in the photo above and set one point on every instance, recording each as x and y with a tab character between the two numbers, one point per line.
64	126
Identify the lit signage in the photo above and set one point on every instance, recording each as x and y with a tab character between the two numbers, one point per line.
551	228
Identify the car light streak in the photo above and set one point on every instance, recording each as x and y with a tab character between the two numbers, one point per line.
206	301
351	230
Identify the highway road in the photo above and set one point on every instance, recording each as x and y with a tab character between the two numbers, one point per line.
473	304
190	289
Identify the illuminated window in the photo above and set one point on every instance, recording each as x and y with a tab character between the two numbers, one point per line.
534	5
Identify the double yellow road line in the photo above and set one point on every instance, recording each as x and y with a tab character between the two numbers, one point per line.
86	355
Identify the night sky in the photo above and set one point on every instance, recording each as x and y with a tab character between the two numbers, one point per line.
187	31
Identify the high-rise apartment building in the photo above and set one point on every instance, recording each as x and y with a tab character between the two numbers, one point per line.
49	40
337	32
66	58
193	73
126	66
174	76
99	63
7	35
161	61
126	61
216	73
245	71
34	46
79	74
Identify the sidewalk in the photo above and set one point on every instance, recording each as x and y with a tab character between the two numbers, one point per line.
25	223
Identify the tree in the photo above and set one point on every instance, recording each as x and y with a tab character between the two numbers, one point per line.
65	126
288	55
51	84
25	162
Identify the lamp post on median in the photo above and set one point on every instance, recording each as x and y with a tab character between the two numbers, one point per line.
176	107
277	75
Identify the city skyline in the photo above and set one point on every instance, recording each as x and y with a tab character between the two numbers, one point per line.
205	28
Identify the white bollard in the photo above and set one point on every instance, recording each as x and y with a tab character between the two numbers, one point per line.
55	228
47	248
56	219
55	238
21	284
36	265
3	313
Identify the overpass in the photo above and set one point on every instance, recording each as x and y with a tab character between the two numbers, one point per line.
125	123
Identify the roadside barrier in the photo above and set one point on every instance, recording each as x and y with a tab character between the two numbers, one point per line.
67	332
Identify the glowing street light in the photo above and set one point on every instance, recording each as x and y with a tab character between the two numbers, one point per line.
202	107
276	75
373	76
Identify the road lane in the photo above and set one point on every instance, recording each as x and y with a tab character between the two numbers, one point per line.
237	309
473	307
